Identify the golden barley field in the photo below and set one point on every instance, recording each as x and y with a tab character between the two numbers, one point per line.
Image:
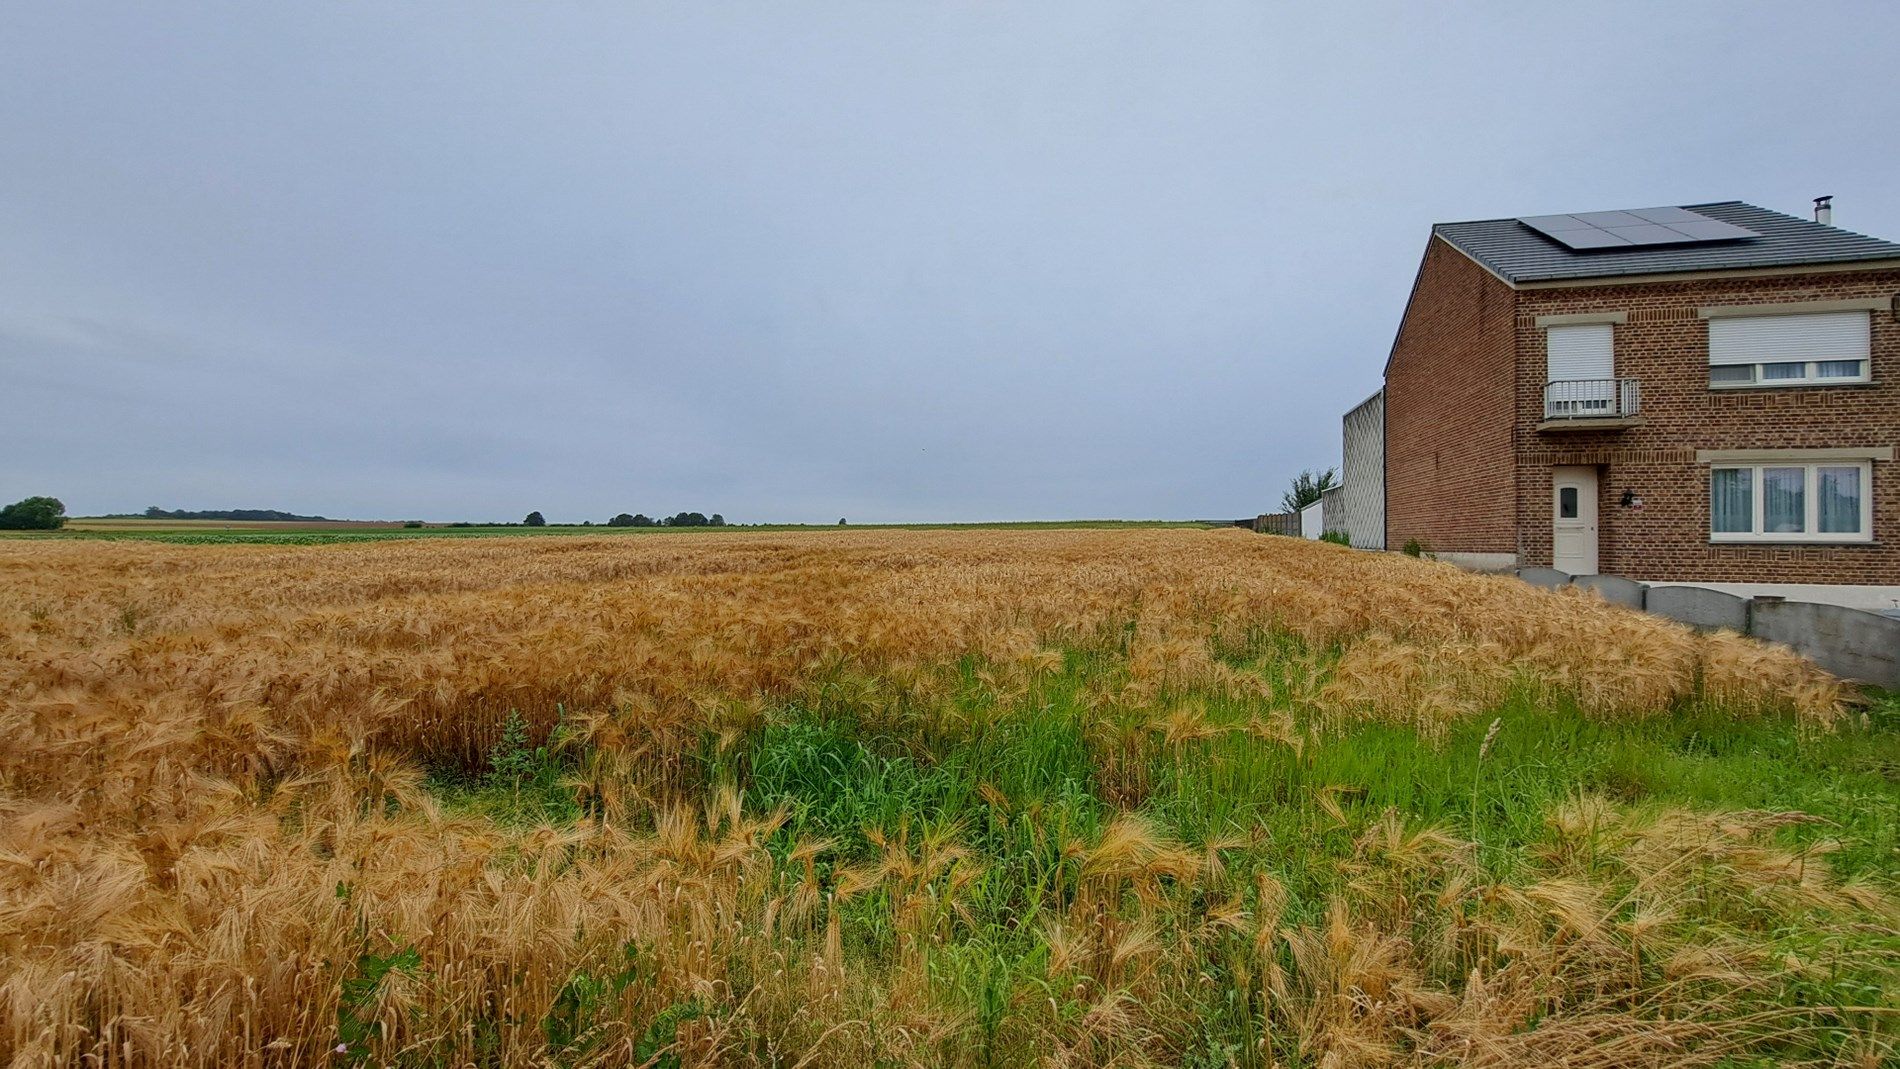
1065	798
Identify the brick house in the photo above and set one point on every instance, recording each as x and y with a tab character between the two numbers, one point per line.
1705	395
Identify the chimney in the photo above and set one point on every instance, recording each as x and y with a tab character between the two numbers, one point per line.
1824	210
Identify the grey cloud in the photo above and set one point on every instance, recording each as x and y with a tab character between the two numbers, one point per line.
791	262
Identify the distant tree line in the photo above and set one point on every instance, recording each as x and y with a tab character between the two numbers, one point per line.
156	513
533	519
679	519
625	519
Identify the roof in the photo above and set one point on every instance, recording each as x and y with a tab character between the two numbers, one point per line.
1516	253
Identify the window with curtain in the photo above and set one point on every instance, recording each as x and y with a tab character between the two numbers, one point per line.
1769	502
1783	506
1838	499
1732	501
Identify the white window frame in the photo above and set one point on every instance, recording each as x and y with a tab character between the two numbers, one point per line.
1811	376
1810	499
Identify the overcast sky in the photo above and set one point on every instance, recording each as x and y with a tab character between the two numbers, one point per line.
890	261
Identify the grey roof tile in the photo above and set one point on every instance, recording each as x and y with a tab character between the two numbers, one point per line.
1517	253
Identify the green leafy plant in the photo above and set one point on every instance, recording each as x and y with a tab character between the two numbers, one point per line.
1338	538
356	1012
523	781
569	1024
655	1045
512	759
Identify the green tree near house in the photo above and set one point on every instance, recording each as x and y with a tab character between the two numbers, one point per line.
1307	488
34	514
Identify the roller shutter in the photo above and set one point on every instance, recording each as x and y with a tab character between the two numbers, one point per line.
1774	339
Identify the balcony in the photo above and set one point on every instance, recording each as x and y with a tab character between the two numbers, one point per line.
1591	405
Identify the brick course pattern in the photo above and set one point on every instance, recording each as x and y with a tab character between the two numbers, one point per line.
1449	456
1664	346
1448	345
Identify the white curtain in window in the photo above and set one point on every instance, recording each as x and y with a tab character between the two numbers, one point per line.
1783	501
1837	493
1732	500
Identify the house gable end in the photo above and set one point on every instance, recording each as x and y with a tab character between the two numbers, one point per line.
1450	384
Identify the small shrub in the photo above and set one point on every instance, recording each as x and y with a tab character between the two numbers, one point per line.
1413	548
1338	538
511	760
524	782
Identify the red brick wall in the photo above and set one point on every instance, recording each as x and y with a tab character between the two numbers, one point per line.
1665	346
1448	414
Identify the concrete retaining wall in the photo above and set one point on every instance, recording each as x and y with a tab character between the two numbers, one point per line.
1614	589
1852	644
1699	607
1491	563
1847	642
1546	578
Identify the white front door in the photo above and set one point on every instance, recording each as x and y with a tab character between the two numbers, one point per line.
1573	520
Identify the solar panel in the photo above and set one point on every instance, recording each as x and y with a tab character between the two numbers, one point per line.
1634	227
1606	220
1590	237
1668	215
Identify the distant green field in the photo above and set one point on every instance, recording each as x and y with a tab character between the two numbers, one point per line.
228	532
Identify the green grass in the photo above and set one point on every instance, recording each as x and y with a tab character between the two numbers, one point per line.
839	777
1017	781
1540	759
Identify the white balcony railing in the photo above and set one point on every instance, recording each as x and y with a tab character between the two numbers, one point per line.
1592	399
